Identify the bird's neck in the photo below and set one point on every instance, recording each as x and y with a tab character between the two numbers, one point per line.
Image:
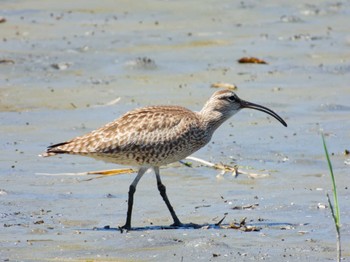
212	119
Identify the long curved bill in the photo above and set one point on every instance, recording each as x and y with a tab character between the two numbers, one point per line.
246	104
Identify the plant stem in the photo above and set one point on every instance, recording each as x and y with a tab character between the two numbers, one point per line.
336	210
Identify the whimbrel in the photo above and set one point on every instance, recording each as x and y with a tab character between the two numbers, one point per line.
155	136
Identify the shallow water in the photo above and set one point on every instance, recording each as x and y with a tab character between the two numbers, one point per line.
96	48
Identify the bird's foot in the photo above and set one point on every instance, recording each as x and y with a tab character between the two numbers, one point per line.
126	228
177	224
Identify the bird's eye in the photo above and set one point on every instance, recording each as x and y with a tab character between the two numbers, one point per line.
232	98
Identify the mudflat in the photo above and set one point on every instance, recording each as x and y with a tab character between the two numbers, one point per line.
69	67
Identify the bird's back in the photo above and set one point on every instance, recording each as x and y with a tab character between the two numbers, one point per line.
152	136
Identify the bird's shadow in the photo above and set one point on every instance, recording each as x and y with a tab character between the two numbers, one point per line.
249	227
147	228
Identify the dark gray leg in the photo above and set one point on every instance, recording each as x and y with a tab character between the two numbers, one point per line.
162	191
132	190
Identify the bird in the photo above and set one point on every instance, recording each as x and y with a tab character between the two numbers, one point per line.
155	136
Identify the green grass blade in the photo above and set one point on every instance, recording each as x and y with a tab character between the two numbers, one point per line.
331	207
336	214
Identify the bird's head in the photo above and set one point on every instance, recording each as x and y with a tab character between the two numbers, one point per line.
228	103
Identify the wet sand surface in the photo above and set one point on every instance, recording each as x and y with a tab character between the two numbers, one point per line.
63	67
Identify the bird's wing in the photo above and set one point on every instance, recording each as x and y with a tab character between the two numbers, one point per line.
144	126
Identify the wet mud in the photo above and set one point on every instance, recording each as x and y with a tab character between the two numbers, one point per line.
68	68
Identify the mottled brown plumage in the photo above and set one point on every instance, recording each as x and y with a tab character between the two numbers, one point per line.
154	136
151	136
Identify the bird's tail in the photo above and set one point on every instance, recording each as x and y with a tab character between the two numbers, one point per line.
55	149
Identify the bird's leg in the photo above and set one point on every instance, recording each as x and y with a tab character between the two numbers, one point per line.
162	191
132	190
